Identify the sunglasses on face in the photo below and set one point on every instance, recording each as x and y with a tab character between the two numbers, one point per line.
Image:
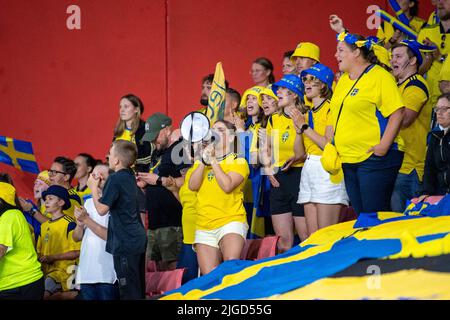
307	79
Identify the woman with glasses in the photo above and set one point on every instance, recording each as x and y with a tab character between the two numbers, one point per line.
262	72
221	222
322	199
436	179
131	127
283	163
366	113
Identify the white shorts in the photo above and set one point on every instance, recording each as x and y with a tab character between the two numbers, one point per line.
213	237
316	186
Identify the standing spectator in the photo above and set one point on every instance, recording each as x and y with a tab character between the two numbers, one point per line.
386	33
435	181
126	238
85	163
206	90
131	127
221	219
305	56
367	112
262	72
232	103
56	249
95	274
164	209
61	173
21	277
283	162
406	59
444	77
288	66
322	199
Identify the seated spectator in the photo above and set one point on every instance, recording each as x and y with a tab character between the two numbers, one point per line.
435	181
221	224
85	163
95	274
56	249
21	277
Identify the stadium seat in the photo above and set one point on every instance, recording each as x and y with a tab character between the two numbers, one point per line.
268	247
151	266
250	250
159	282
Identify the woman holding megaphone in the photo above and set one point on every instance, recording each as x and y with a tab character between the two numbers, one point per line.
221	223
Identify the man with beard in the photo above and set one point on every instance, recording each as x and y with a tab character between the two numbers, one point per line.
406	59
164	209
436	35
206	90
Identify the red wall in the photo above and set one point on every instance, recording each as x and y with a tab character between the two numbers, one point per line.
60	88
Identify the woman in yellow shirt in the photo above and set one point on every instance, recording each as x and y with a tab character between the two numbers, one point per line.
219	179
131	127
322	199
283	163
367	112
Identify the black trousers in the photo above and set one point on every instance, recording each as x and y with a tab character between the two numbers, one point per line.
32	291
130	270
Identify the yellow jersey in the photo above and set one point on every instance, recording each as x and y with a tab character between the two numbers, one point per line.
188	200
415	94
56	238
438	35
19	266
386	30
84	193
215	207
318	119
281	130
365	113
75	201
433	19
127	135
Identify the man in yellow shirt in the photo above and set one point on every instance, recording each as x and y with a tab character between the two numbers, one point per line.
406	59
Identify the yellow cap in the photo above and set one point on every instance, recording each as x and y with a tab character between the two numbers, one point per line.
331	162
308	50
445	71
255	91
8	193
383	55
267	91
44	177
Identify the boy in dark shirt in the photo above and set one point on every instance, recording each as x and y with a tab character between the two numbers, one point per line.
126	239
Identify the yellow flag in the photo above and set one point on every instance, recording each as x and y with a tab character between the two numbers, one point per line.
216	100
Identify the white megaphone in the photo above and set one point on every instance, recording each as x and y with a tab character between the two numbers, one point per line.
195	127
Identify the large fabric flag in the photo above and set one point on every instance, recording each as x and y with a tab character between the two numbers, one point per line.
19	154
216	100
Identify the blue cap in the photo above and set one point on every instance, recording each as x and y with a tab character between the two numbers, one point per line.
321	72
291	82
60	192
416	48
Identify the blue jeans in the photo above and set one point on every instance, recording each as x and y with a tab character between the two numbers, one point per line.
99	291
370	183
407	186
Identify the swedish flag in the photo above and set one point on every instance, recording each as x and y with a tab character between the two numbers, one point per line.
216	101
19	154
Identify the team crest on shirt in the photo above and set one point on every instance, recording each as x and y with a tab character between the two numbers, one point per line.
285	136
354	92
210	175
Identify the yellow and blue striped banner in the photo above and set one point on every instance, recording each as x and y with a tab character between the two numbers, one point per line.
216	100
19	154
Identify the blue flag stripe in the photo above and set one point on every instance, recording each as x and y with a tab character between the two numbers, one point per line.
29	166
23	146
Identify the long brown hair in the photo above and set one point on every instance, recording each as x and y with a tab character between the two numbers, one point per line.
232	128
121	125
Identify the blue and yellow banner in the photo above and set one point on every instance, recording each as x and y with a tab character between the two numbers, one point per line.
216	100
399	12
19	154
397	24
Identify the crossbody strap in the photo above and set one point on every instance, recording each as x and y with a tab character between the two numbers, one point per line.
351	89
